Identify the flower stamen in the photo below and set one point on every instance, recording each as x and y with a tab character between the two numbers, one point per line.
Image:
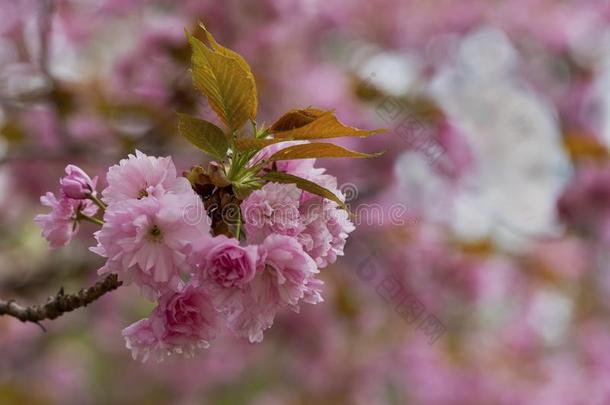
155	234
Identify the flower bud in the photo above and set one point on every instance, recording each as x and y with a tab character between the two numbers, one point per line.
77	184
217	175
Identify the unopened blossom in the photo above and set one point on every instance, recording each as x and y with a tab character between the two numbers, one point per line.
286	279
61	224
148	241
76	183
274	209
226	268
141	176
183	322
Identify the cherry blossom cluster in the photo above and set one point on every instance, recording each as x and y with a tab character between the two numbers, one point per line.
203	284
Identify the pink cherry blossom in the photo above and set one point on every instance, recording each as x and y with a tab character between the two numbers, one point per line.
274	209
319	225
142	176
287	278
327	228
226	268
289	267
183	322
148	241
61	224
77	184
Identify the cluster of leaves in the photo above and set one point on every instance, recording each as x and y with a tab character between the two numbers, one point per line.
226	79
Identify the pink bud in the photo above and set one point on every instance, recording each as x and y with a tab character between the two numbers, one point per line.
77	184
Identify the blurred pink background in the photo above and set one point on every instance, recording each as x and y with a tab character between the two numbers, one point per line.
479	271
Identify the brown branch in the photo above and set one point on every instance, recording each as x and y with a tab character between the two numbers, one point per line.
60	303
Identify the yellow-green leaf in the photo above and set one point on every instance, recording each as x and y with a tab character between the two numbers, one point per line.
303	184
225	80
318	125
204	135
226	51
317	150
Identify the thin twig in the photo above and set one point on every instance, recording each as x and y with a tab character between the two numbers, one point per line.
60	303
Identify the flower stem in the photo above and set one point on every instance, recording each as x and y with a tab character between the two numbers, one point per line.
81	216
238	226
97	201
